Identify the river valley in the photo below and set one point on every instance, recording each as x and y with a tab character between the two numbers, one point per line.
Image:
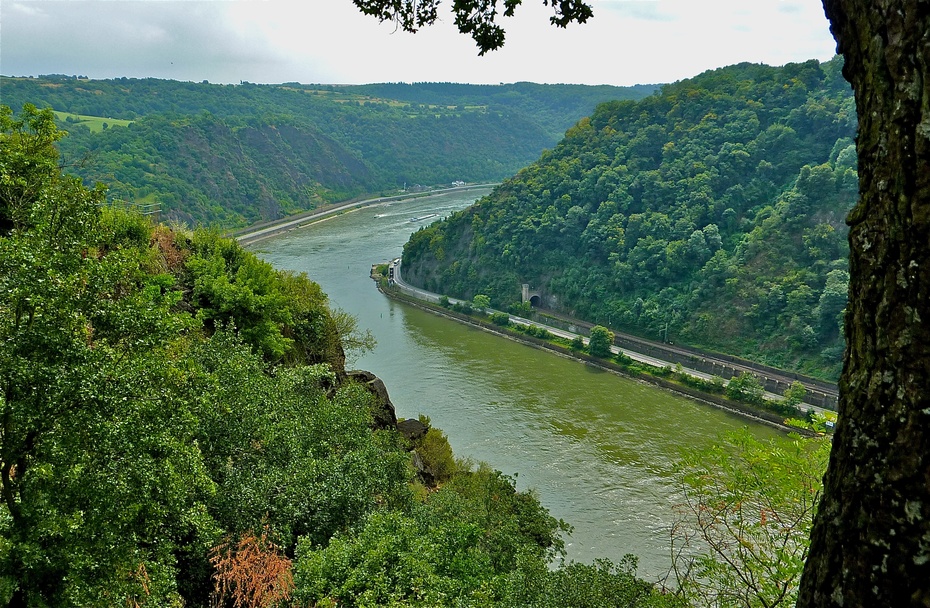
598	448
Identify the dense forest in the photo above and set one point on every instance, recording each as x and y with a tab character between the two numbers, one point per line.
710	214
230	155
177	427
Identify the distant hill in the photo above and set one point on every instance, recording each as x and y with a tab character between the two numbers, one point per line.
711	214
548	104
236	154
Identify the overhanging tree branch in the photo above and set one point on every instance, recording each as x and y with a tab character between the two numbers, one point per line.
476	18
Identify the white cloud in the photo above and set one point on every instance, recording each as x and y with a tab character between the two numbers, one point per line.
628	41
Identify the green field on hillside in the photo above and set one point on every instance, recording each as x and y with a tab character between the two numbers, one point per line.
96	124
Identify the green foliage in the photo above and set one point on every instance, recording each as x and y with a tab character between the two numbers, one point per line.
481	302
600	341
820	422
601	584
745	387
463	307
476	18
232	287
129	444
93	513
280	448
521	309
27	164
795	394
714	386
282	315
535	331
436	454
747	516
501	318
710	214
456	548
392	561
577	344
623	359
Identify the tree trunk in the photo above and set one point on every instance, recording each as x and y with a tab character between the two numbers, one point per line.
870	545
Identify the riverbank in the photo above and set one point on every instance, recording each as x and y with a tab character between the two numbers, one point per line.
264	230
744	410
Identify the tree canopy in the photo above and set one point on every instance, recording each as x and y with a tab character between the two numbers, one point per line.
710	213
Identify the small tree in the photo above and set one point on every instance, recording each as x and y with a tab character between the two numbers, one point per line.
523	309
577	344
743	532
500	318
481	302
795	394
745	387
600	341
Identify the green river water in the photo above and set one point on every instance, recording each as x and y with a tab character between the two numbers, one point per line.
598	448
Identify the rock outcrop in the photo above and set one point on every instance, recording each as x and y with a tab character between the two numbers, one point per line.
382	410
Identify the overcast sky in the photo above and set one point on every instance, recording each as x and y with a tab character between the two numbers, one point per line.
329	41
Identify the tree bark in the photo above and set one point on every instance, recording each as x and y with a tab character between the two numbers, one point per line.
870	545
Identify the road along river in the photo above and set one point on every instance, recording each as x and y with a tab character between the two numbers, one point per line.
598	448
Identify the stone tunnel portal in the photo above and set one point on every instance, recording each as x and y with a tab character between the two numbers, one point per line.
531	295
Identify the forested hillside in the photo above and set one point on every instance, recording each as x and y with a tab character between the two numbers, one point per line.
235	154
711	214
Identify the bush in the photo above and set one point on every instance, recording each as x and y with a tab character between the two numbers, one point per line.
436	453
623	359
714	385
602	584
745	387
795	394
662	372
463	307
481	302
522	309
600	342
500	318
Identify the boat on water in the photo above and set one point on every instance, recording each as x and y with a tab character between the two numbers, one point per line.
423	217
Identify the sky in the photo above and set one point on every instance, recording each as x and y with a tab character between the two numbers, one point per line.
329	42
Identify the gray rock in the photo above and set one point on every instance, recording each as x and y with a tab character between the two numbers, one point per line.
412	429
382	410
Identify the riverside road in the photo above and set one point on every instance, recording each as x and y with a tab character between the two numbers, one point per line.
429	296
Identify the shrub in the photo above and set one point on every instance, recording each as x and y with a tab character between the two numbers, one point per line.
600	342
436	453
522	309
500	318
623	359
745	387
481	302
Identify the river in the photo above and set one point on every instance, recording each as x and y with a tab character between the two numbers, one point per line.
597	448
